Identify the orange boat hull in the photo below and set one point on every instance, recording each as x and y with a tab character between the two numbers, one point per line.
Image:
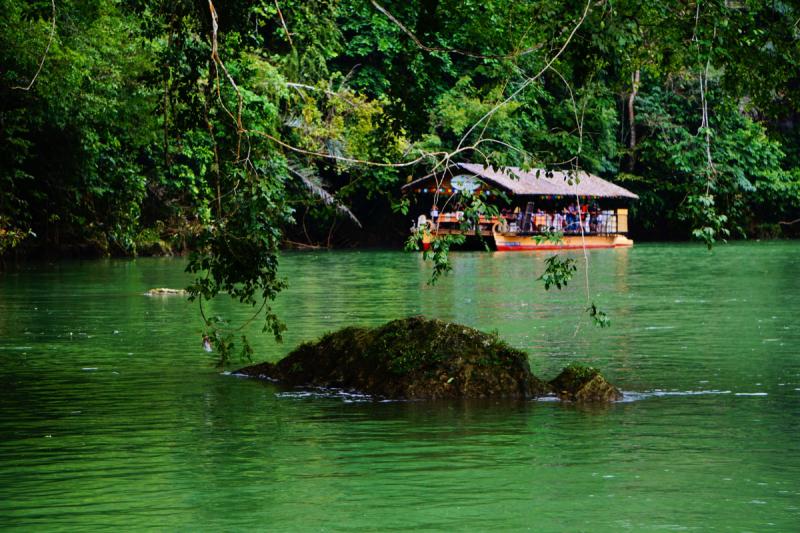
511	243
508	243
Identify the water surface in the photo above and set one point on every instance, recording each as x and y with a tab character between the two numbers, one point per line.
111	417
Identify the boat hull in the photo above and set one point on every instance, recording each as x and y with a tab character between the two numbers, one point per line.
510	243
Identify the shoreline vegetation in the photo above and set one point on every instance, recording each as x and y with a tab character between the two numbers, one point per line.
420	359
136	128
99	249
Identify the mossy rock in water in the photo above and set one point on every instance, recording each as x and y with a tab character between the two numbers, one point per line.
578	383
412	358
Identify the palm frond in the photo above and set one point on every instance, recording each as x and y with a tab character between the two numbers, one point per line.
294	122
318	188
334	147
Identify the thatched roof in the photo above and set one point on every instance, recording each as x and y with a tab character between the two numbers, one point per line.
514	180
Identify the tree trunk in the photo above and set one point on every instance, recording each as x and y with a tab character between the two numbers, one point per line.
631	119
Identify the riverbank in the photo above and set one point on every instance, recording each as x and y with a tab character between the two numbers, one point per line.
380	228
97	250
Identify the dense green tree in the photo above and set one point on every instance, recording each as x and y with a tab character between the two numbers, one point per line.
71	144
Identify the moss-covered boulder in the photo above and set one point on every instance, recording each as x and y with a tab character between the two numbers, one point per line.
416	358
579	383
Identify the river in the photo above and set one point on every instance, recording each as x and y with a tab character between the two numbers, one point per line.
112	417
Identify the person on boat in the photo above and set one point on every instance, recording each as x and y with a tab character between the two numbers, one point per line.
601	219
558	221
570	214
584	217
539	220
594	220
459	212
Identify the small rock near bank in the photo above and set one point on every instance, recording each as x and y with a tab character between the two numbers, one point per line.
160	291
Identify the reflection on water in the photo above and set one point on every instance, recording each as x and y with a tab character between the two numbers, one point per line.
111	416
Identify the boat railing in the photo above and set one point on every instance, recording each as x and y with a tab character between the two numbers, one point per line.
608	222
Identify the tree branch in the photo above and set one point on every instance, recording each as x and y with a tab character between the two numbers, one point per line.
288	35
529	80
41	63
451	50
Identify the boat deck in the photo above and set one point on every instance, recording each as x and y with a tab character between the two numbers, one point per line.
519	232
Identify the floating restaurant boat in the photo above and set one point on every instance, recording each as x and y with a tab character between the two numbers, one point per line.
539	201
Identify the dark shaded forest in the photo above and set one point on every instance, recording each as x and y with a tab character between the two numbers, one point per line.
241	126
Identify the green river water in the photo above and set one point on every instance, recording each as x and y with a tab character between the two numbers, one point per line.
112	418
